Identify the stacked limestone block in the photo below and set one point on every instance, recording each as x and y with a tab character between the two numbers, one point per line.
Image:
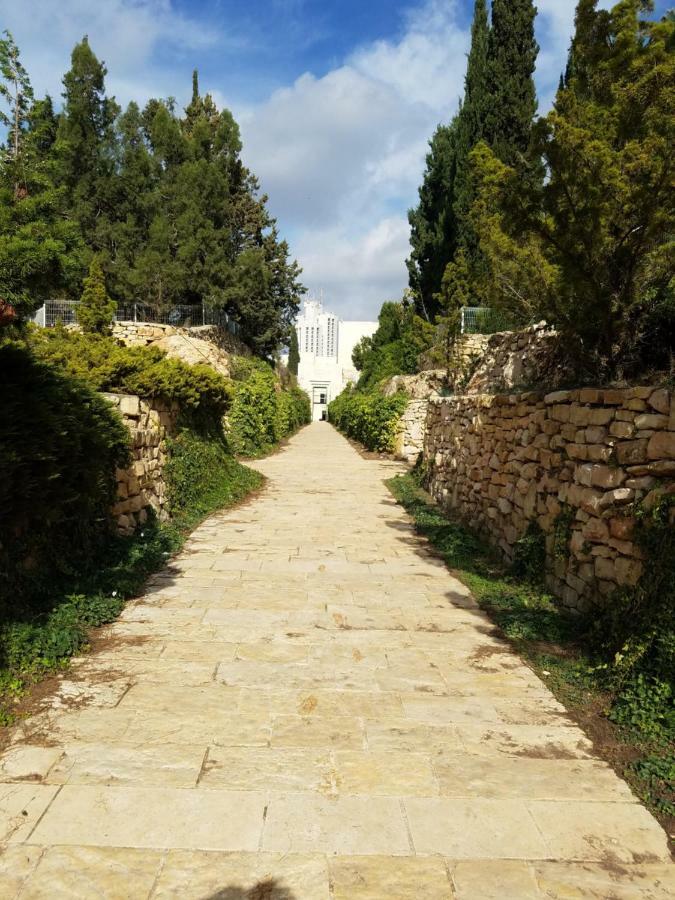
208	344
575	462
513	359
142	486
410	435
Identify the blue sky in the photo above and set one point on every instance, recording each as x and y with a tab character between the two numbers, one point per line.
336	100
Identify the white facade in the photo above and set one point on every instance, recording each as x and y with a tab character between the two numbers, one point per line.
326	346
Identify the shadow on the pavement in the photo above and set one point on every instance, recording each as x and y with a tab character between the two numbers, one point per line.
270	889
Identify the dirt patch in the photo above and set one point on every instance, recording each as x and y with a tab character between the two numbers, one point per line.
308	705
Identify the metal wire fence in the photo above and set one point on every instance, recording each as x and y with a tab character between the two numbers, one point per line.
483	320
181	316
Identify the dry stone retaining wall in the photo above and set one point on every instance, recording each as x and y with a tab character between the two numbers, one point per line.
142	486
410	436
574	462
514	359
201	345
420	388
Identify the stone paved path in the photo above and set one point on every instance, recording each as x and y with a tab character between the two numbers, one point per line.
306	706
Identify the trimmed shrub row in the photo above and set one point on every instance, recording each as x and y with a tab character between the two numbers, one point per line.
263	412
370	418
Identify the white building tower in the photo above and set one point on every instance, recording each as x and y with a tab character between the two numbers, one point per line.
326	346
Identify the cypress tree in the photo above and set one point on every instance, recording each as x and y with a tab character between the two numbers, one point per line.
512	58
294	354
477	100
433	232
96	310
472	118
440	224
586	44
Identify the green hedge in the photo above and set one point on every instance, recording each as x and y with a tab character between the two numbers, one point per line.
263	412
370	418
106	365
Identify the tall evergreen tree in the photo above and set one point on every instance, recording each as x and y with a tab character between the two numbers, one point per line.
591	250
86	144
472	119
589	45
41	250
16	91
163	204
441	223
136	201
433	231
512	58
294	353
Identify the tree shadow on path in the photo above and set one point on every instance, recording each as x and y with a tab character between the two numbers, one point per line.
269	889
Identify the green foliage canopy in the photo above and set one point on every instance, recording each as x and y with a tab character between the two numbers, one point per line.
395	347
162	200
498	106
591	249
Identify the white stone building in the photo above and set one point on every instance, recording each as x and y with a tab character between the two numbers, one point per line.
326	346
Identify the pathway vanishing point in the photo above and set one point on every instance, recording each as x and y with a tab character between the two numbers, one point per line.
306	705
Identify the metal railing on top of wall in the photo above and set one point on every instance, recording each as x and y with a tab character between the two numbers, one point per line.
180	316
483	320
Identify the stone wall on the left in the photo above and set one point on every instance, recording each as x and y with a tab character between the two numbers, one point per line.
142	486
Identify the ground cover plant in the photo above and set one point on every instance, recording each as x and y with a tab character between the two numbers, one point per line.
106	365
628	711
49	621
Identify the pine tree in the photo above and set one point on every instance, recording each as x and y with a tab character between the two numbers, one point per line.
16	90
41	249
86	144
512	58
136	203
294	354
96	310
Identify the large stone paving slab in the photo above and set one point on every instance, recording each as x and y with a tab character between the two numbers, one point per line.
305	705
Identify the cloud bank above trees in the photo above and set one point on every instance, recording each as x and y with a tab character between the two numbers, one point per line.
340	153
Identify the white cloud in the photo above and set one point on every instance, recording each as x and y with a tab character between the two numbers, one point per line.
126	34
341	156
357	274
